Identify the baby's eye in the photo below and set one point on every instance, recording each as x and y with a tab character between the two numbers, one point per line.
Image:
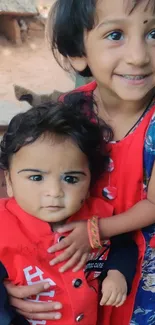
115	36
36	178
71	179
151	35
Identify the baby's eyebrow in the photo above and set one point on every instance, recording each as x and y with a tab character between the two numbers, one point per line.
33	170
77	172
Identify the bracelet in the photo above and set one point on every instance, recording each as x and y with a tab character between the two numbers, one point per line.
93	232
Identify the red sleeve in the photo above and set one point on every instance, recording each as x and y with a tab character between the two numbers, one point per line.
99	207
86	88
93	206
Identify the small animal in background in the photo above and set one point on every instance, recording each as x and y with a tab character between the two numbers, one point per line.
24	94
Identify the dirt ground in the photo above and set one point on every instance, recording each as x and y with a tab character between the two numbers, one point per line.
30	65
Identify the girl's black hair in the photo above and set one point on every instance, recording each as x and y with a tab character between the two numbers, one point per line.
66	24
68	19
74	118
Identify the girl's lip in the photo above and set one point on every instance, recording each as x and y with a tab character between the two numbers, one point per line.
134	79
133	76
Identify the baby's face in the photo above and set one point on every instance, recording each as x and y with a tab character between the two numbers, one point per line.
49	178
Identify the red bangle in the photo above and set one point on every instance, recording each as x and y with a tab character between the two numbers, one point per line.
93	232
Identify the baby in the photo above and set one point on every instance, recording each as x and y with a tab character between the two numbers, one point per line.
49	155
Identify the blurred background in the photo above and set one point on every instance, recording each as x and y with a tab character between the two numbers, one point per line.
25	57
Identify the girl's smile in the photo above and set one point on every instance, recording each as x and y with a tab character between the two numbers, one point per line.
134	79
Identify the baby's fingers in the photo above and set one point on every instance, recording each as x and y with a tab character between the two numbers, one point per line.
105	297
112	299
121	301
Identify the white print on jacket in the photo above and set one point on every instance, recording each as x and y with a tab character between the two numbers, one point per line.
34	275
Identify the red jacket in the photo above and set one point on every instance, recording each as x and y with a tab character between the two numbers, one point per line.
23	252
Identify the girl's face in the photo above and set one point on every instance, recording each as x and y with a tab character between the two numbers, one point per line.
120	50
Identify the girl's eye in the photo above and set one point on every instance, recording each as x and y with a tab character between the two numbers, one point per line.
71	179
36	178
115	36
151	35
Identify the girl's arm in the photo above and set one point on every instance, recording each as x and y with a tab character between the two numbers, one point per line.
77	243
139	216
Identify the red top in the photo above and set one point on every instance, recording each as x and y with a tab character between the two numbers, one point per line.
122	186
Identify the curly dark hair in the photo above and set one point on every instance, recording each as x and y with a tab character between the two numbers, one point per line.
68	19
74	118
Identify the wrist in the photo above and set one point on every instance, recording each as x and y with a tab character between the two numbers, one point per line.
101	224
93	232
115	273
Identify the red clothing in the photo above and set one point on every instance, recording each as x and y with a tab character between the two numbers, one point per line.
124	185
23	252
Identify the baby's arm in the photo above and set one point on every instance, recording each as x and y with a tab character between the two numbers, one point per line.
119	271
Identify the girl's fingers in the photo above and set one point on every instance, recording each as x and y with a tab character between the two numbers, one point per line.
64	243
68	253
72	262
82	263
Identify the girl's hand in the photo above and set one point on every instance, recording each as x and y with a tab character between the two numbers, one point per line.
77	246
29	309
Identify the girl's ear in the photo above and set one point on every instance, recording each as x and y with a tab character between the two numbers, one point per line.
8	183
78	64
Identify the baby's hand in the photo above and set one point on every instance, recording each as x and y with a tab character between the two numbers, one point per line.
114	289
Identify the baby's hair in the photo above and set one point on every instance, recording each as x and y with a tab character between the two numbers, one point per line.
74	118
68	19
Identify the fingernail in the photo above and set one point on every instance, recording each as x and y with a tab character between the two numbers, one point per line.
57	316
51	263
49	250
58	306
47	286
61	270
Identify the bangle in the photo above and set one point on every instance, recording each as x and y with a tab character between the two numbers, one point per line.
93	232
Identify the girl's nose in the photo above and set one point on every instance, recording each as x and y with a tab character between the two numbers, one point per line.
137	53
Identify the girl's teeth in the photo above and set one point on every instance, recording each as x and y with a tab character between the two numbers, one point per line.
133	77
